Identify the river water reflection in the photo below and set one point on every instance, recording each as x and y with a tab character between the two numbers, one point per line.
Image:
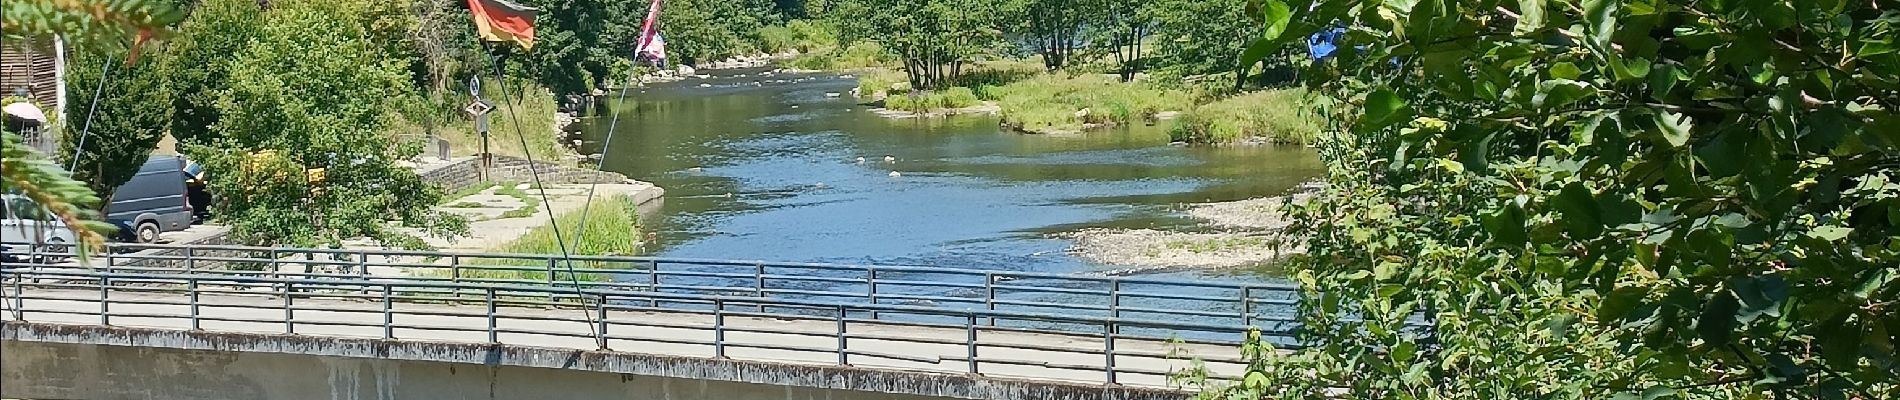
770	171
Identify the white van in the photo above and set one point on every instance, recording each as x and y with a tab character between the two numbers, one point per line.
27	228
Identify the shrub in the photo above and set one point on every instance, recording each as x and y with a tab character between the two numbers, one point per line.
956	97
776	38
856	56
1276	115
1056	103
959	97
874	82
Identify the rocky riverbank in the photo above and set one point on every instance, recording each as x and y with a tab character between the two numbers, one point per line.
1238	234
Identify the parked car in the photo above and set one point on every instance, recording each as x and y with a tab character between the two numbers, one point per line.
27	228
155	201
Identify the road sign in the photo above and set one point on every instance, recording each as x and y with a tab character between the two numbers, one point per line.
478	108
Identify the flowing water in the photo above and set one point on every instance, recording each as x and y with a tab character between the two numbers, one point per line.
770	171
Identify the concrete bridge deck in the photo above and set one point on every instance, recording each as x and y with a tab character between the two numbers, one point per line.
790	344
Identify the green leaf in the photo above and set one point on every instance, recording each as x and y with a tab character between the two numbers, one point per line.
1657	392
1600	16
1759	295
1579	208
1476	153
1840	342
1716	323
1384	108
1564	70
1255	379
1403	352
1620	302
1557	93
1507	225
1873	283
1275	15
1830	233
1530	16
1674	127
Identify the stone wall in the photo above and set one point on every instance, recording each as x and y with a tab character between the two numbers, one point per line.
463	173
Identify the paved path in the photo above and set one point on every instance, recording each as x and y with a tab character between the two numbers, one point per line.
808	340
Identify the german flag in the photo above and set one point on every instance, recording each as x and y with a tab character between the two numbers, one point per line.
504	21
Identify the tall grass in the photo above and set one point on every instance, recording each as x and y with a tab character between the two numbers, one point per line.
803	36
1277	116
956	97
881	82
531	108
612	229
1054	103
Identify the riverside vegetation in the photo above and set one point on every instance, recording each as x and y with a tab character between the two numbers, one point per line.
1603	199
611	228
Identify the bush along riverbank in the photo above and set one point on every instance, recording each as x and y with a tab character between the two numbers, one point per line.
1268	116
1054	103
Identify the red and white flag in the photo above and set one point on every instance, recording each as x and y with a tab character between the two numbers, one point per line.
651	46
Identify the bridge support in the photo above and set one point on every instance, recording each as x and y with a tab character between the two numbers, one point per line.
39	360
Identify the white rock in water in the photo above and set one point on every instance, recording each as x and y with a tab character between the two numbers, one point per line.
895	174
831	94
846	76
890	160
705	85
686	70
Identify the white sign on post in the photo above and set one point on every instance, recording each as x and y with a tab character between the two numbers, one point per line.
478	108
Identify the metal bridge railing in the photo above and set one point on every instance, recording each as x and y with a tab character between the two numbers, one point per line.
1269	307
626	318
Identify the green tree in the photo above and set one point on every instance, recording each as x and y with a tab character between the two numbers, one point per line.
1197	37
935	38
698	31
302	140
84	23
111	138
1599	199
197	61
1052	27
1123	28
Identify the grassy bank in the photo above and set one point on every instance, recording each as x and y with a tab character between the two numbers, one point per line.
612	229
1055	103
1275	116
956	97
533	110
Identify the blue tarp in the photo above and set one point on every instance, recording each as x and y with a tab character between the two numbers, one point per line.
1322	44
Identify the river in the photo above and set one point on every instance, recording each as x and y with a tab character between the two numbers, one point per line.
770	171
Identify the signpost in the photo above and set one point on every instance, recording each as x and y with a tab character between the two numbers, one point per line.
479	109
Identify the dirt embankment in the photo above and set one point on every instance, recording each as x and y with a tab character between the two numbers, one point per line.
1240	233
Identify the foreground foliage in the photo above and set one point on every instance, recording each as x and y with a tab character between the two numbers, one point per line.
1598	199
